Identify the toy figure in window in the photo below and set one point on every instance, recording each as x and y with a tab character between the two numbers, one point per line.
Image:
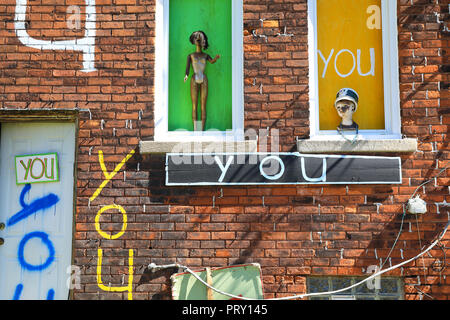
346	104
199	81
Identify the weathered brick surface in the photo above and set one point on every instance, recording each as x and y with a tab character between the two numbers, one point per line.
293	232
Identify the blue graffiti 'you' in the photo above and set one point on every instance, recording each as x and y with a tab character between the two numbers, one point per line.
19	288
43	203
28	209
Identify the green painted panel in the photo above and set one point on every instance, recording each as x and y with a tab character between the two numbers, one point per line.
239	280
214	18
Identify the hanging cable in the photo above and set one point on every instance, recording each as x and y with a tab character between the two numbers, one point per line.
429	180
396	239
154	267
404	213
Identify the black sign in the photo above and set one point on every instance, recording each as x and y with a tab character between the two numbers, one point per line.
279	168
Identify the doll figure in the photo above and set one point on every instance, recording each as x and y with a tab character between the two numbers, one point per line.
346	104
199	81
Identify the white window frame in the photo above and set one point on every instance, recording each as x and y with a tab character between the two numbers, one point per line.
390	75
161	101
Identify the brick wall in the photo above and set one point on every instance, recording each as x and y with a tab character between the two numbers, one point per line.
292	231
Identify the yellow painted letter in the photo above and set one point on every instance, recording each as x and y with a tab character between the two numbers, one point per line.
108	175
128	288
97	222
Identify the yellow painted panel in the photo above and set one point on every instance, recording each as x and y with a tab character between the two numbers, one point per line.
350	54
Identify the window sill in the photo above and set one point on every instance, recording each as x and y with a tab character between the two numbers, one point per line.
333	145
161	147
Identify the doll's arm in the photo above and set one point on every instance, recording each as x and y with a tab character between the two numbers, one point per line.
211	60
188	67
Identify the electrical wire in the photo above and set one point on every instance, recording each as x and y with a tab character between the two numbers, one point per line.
404	212
438	265
429	180
420	246
155	267
396	240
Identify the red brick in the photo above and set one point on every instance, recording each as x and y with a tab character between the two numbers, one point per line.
284	228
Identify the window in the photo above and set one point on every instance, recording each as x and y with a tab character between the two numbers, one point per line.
388	288
222	21
353	44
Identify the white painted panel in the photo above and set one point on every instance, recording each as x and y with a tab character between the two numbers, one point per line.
38	245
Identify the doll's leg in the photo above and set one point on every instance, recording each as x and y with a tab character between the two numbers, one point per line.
204	97
194	99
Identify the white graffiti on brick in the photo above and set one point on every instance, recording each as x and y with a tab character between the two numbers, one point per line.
85	44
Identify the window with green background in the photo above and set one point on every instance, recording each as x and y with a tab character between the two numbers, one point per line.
214	18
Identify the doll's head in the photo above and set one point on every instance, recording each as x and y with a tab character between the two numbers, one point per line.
346	104
200	38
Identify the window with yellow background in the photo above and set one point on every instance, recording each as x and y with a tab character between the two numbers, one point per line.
350	55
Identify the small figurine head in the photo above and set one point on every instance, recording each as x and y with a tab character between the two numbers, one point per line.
200	38
346	104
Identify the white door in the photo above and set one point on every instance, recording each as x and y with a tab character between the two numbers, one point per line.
37	217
